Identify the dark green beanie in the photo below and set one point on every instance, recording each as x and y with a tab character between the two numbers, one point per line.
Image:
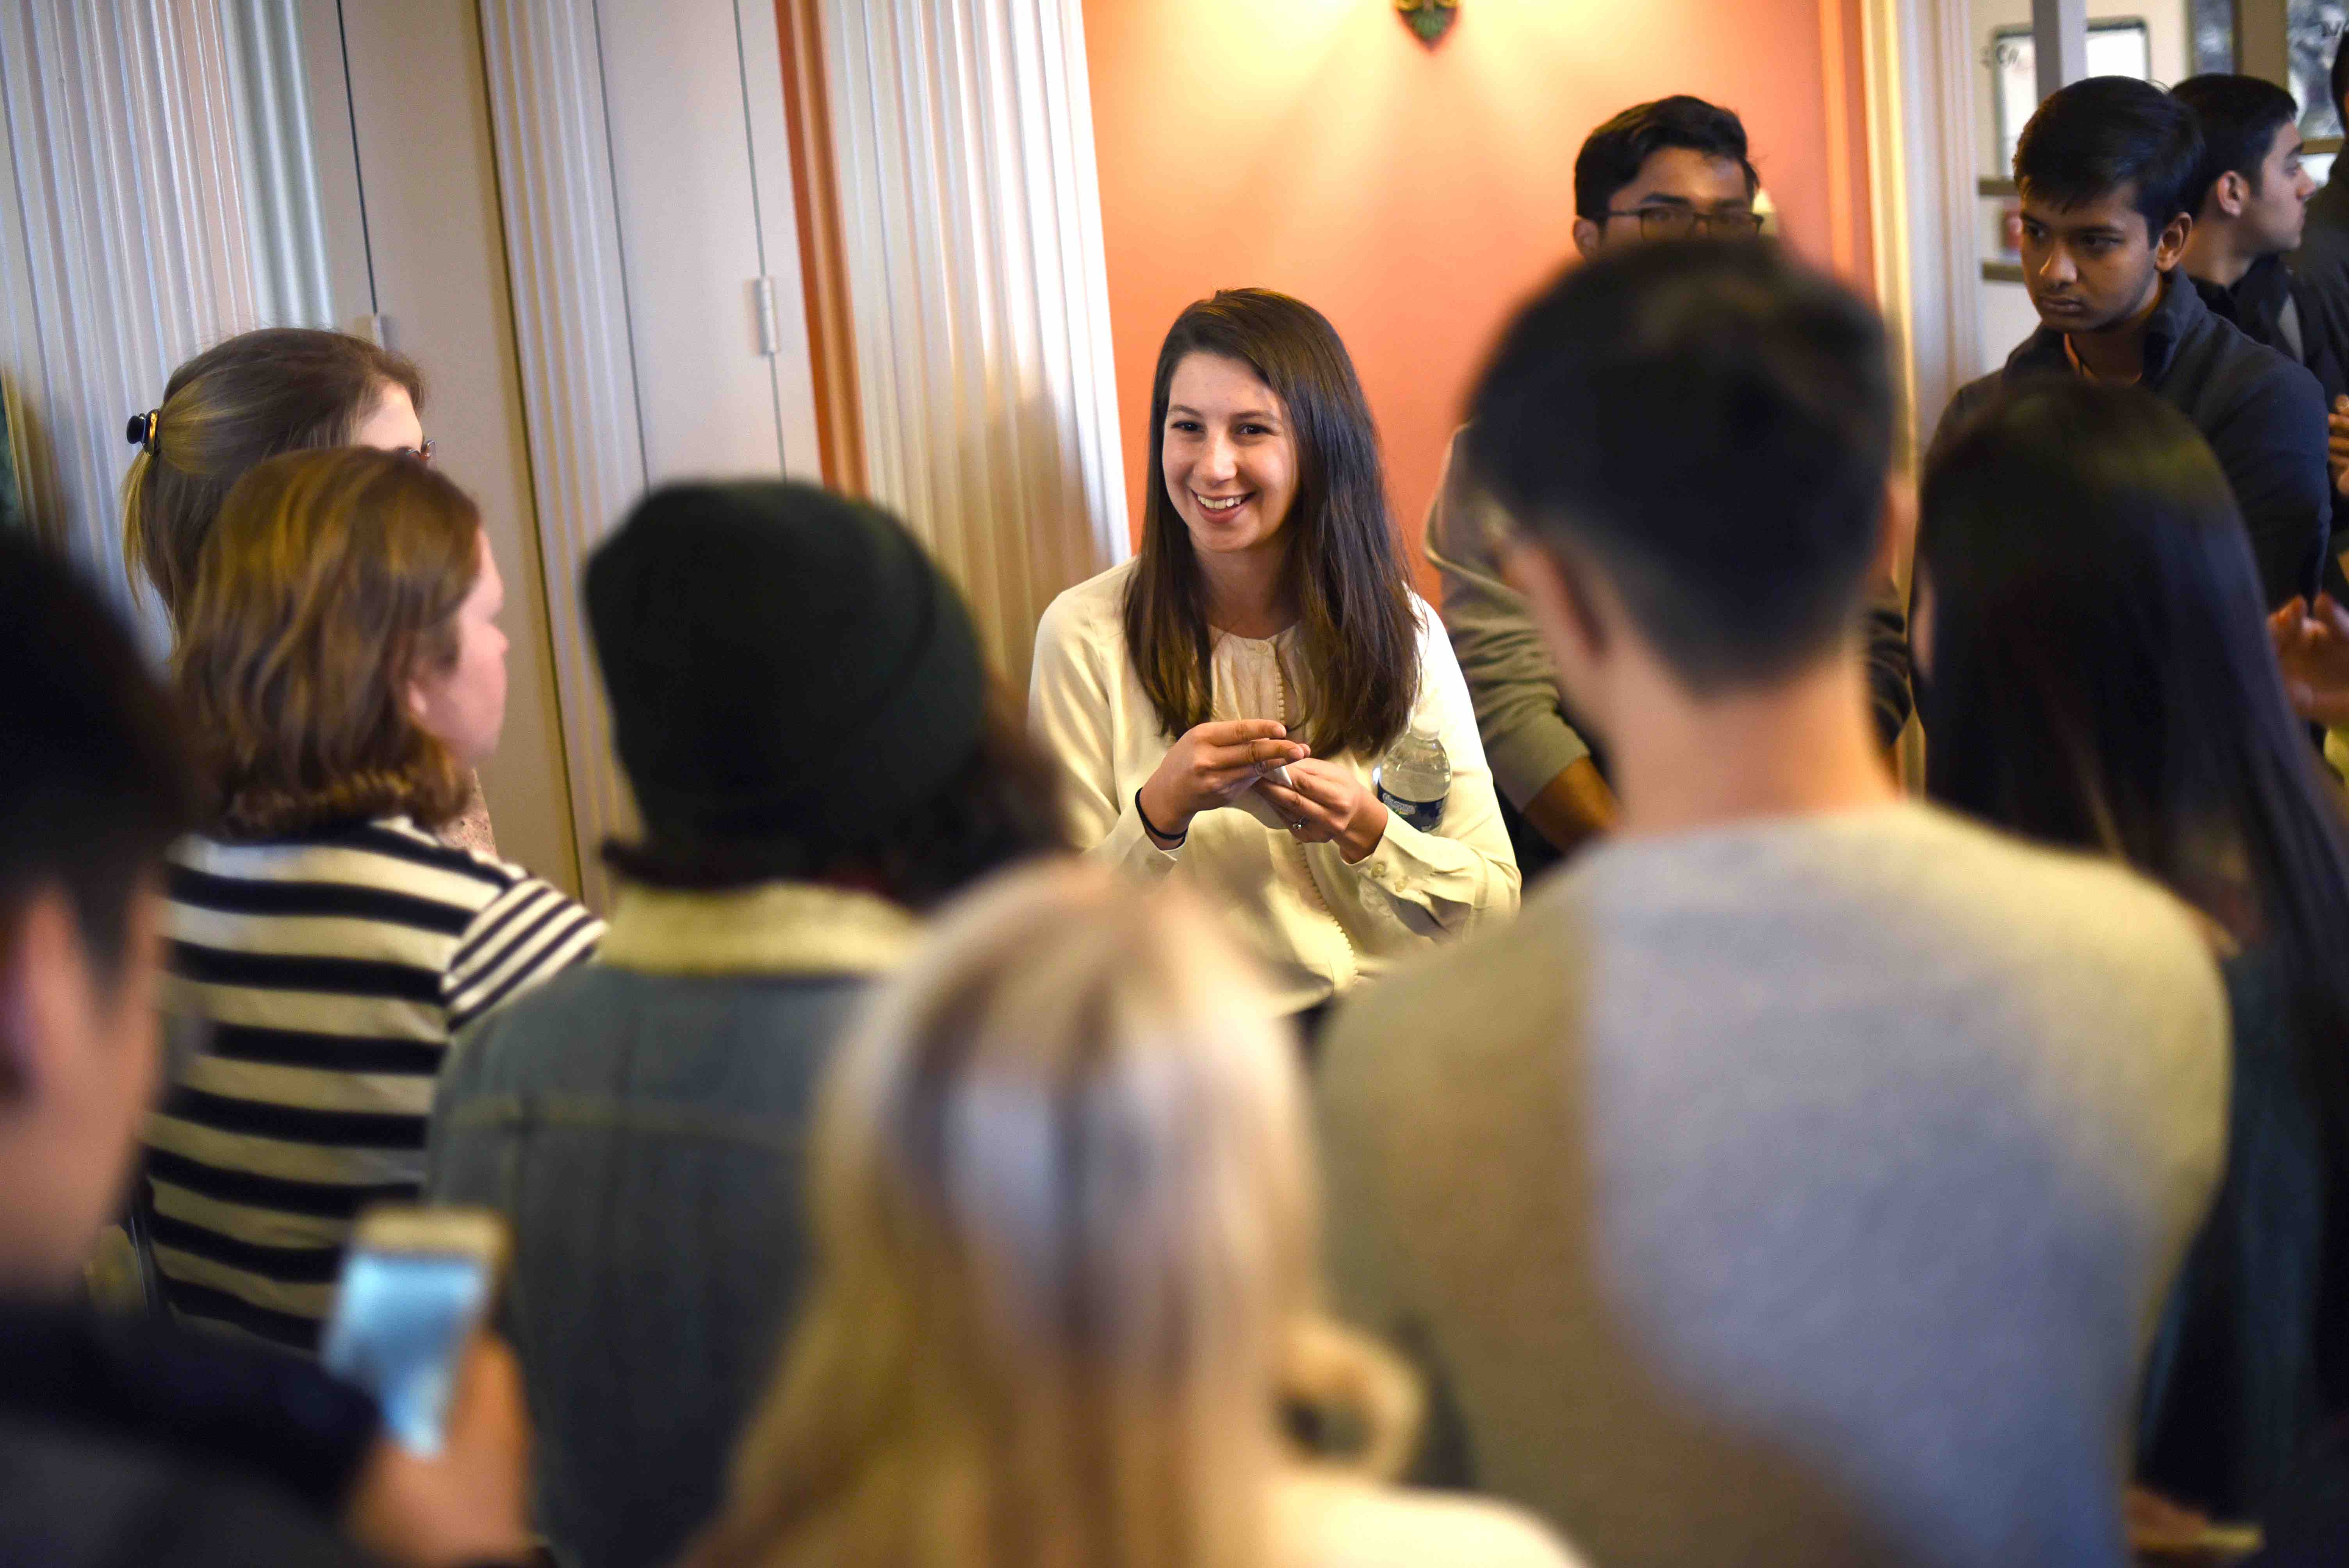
785	666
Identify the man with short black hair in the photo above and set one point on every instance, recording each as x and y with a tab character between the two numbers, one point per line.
1798	1179
2107	172
131	1442
1666	169
2251	207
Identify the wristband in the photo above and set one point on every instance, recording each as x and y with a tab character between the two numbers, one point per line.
1153	829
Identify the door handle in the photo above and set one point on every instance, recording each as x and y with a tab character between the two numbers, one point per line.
762	295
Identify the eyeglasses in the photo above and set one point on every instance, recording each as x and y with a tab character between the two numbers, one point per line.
1680	222
422	454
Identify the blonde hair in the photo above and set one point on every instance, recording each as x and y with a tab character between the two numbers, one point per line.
256	395
1066	1227
330	578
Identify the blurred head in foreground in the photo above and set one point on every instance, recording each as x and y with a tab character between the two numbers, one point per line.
92	790
1068	1232
797	692
1692	439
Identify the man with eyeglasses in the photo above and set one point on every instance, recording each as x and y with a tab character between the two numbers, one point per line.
1674	168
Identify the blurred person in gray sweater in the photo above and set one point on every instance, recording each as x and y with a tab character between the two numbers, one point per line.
1797	1180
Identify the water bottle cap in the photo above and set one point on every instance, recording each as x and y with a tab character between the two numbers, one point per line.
1424	725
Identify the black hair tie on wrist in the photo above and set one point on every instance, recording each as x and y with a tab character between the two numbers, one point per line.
141	431
1152	828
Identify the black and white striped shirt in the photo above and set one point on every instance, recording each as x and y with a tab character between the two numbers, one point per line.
330	973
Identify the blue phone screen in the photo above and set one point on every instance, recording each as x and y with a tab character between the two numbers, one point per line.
400	1326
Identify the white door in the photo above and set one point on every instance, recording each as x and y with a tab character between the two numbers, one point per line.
418	222
693	93
691	121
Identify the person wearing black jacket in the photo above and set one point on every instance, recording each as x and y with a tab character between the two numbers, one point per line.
2105	169
128	1441
2251	197
2322	260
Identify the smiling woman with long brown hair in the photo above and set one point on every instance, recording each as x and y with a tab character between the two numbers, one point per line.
1218	704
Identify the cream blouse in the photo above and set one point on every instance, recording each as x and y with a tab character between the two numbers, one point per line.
1318	924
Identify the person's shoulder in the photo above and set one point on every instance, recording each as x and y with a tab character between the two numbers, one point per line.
1089	614
1101	597
1334	1520
77	1500
565	1015
1429	621
2241	371
1084	628
400	842
1964	402
2081	910
1517	979
387	869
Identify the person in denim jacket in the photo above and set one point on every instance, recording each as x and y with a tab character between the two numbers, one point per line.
802	710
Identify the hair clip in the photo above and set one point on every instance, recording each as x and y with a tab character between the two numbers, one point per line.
141	432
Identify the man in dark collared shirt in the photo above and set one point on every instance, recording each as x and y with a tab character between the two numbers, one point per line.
2105	169
2251	199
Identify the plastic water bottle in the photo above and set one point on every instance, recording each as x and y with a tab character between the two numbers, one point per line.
1415	775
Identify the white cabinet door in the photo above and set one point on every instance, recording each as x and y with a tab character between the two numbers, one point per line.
701	176
432	248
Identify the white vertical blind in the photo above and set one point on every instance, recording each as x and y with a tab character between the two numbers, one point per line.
971	222
570	331
284	235
127	223
1919	108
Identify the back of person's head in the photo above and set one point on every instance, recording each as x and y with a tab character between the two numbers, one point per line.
2239	117
2109	135
1613	155
797	691
1359	636
280	389
330	584
1712	423
2340	77
1066	1220
93	789
2097	672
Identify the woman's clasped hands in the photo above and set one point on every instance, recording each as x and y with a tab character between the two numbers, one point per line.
1327	804
1213	764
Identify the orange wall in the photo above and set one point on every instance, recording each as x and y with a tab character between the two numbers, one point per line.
1314	146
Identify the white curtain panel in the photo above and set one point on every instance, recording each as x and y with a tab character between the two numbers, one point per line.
578	371
971	222
152	146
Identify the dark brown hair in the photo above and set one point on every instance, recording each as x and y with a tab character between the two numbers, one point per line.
281	389
1344	568
330	578
93	779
